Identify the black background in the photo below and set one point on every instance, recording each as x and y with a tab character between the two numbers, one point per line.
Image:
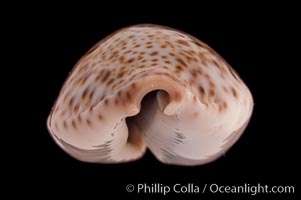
258	45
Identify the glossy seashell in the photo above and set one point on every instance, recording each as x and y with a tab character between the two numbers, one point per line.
154	87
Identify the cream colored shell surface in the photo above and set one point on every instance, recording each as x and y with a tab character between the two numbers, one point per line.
149	86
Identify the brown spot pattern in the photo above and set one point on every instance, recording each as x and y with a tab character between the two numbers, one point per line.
135	53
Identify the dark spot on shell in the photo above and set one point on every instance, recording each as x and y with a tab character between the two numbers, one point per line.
106	76
163	46
179	68
106	102
131	60
183	42
65	124
195	98
88	122
225	105
71	102
110	81
216	64
97	78
91	95
202	90
177	96
119	94
153	53
63	113
73	124
56	126
120	74
179	60
234	92
211	93
193	72
121	59
76	107
114	54
84	79
170	44
128	51
79	118
128	95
